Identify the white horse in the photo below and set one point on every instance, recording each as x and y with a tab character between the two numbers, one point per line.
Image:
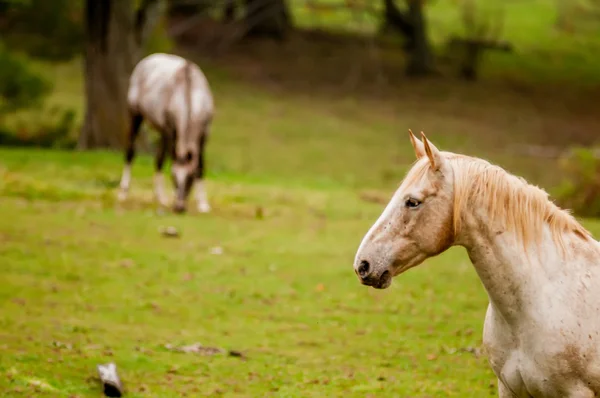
539	266
173	95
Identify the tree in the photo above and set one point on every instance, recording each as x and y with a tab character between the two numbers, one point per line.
115	33
411	25
268	18
43	29
193	7
229	10
395	20
421	59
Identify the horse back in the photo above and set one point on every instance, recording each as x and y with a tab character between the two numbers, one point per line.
170	91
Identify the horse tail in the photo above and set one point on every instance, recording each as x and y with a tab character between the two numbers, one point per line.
188	92
186	119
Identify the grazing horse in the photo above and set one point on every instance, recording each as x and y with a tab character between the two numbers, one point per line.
539	266
173	95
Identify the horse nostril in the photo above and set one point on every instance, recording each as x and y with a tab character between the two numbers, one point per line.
363	269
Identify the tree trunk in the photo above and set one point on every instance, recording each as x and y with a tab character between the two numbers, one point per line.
398	21
267	18
421	58
229	11
189	8
114	35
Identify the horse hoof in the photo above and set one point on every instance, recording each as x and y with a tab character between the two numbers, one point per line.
204	208
163	202
179	209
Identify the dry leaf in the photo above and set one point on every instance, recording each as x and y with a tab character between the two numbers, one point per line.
472	350
169	232
127	263
59	344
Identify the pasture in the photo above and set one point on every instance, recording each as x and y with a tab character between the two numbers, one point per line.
294	185
86	282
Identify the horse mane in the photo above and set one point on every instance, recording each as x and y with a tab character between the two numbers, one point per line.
510	200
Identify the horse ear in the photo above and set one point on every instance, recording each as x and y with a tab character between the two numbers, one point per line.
432	152
417	145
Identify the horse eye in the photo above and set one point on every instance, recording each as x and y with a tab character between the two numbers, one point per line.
412	203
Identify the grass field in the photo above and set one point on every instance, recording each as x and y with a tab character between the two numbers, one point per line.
296	176
82	272
86	281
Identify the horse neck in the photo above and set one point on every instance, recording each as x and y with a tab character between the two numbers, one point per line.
512	275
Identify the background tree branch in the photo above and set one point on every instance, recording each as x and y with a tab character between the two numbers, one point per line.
147	17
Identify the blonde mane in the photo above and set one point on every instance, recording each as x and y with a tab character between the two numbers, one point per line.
520	207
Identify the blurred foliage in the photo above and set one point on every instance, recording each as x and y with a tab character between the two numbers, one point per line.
159	40
577	15
581	191
23	87
48	128
20	85
46	29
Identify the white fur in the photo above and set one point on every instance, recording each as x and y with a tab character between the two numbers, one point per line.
153	77
180	174
125	182
201	198
541	314
159	189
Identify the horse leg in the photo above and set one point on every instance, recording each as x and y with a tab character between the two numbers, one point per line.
503	391
582	390
201	197
159	181
136	122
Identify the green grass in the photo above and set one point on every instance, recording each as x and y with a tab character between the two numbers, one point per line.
82	271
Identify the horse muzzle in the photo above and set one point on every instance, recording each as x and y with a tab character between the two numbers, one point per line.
368	276
179	207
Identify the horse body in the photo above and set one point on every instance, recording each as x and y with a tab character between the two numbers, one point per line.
540	332
173	95
540	268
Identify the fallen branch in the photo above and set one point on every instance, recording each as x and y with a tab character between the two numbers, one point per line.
198	348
